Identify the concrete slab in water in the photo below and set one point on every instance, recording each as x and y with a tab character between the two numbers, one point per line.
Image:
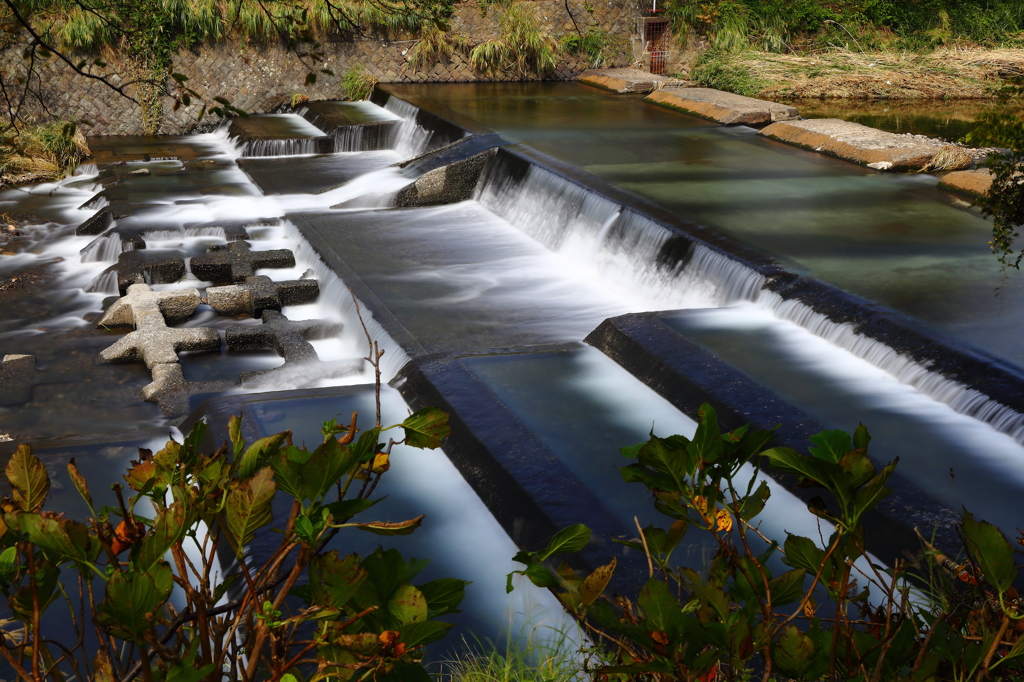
622	80
111	149
310	174
340	114
724	107
867	146
455	278
974	182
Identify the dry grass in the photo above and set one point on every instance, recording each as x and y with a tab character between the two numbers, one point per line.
40	153
943	74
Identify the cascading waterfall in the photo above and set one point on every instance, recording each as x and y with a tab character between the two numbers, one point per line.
105	249
289	147
408	138
624	247
906	370
105	283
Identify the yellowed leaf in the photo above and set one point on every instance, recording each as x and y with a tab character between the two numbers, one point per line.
723	520
595	583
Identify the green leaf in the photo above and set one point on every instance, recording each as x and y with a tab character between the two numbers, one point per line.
707	441
633	451
426	428
669	456
366	445
65	538
343	510
408	605
874	491
989	548
169	528
192	442
541	576
832	445
860	468
131	596
444	595
334	581
801	552
793	652
654	480
8	559
185	670
570	539
659	605
861	438
28	479
417	634
788	587
259	453
308	476
754	503
248	508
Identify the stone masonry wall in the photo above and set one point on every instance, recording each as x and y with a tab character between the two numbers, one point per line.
258	78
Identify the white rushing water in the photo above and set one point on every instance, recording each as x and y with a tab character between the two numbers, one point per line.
625	247
630	262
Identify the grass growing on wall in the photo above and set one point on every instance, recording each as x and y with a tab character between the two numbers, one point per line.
358	83
40	153
521	50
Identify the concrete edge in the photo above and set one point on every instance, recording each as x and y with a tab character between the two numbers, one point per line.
523	484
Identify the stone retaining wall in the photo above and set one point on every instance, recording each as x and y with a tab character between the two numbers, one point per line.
258	78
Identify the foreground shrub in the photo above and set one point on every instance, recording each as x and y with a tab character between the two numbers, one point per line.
833	615
161	586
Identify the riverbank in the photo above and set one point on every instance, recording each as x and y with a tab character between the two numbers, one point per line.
946	73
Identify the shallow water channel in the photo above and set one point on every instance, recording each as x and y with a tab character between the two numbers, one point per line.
506	285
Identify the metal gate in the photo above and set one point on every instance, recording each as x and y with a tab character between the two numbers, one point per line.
656	41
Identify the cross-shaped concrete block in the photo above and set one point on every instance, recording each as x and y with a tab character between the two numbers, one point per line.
142	302
290	338
155	343
260	293
18	376
146	267
235	261
171	391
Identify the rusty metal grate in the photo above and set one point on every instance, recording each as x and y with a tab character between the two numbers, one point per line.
656	39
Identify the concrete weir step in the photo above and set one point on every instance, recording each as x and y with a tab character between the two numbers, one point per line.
723	107
623	80
350	125
870	147
278	135
526	486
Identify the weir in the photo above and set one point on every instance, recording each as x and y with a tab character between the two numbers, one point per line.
481	287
